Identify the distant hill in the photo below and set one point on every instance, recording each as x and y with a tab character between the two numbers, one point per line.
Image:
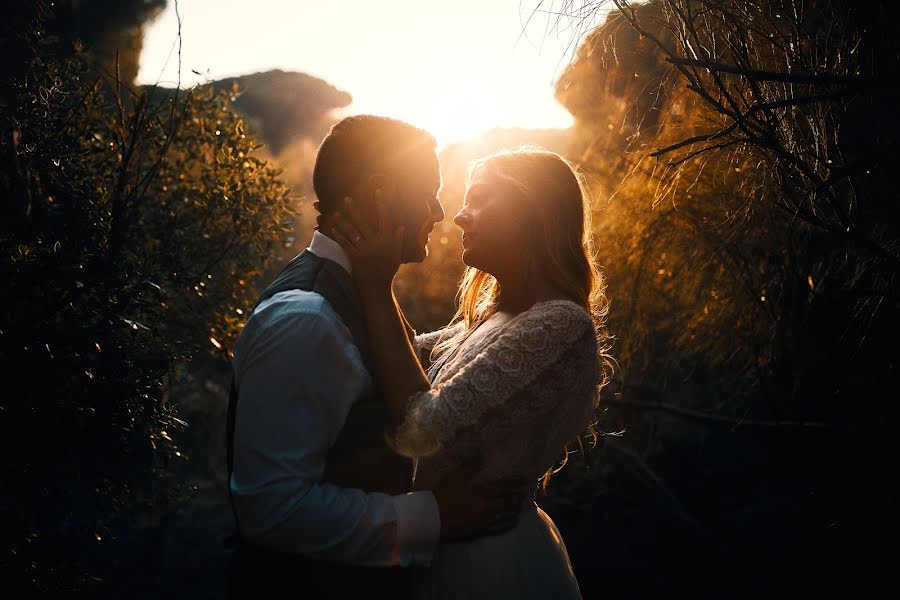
282	107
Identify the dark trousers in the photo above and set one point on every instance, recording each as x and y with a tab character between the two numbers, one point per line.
259	573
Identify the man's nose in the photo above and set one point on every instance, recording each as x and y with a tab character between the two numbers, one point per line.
437	211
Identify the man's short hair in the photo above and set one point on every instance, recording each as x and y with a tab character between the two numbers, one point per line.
361	145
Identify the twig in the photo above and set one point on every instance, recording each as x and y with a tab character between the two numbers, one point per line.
757	75
706	417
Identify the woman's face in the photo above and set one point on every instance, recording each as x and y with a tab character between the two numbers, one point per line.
493	220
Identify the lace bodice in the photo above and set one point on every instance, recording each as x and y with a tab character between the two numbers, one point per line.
515	396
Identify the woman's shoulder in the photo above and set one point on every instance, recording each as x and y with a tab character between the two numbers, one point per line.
558	315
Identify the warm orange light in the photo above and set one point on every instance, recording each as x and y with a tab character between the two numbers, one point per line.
456	69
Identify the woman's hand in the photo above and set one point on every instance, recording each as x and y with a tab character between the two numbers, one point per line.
375	248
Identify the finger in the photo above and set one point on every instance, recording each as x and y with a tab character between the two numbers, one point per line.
346	244
363	229
347	229
339	235
380	211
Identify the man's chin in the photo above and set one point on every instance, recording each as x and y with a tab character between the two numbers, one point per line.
416	255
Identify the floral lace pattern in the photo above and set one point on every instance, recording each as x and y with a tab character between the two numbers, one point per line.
515	397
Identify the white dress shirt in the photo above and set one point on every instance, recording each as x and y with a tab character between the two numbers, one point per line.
299	373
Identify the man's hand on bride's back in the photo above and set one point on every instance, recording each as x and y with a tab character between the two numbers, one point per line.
471	509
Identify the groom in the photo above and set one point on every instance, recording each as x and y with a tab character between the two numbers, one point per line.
305	427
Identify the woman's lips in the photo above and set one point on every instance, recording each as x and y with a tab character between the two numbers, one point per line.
467	239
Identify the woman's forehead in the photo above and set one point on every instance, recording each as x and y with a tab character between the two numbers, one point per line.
486	175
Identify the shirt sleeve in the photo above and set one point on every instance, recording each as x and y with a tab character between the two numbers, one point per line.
528	349
298	374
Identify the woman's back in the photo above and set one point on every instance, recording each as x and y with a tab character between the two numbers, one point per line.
515	397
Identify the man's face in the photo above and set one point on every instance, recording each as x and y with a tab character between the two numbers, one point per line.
418	207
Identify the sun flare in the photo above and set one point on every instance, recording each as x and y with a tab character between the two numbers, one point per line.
437	67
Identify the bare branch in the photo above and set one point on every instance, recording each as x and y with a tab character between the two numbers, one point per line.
804	78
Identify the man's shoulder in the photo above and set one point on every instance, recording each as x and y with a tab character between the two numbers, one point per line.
290	319
292	306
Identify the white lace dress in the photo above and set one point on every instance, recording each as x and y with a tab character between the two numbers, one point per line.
515	397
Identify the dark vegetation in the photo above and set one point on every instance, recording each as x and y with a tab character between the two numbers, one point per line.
134	221
741	156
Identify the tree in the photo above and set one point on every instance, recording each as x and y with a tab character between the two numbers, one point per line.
731	145
745	121
134	223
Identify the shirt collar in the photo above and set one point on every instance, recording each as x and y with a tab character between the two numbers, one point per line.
324	247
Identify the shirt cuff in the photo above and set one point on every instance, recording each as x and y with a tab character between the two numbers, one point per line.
418	527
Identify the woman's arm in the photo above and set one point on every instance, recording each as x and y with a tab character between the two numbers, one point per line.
375	252
516	372
400	374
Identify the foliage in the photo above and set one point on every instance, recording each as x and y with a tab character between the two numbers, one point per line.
741	154
109	31
745	201
134	223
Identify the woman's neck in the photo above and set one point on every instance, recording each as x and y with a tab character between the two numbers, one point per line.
519	292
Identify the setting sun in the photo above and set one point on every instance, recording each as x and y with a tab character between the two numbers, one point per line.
256	327
455	69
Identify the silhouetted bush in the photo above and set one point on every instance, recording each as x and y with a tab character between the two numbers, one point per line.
134	223
741	154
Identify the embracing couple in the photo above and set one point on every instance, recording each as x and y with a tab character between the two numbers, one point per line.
366	459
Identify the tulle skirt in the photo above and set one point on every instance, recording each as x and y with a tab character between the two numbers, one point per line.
529	561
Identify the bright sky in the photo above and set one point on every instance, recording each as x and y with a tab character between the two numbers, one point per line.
456	68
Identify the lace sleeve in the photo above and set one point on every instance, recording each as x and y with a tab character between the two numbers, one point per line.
423	344
508	364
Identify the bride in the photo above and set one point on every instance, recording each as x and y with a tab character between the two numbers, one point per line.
512	378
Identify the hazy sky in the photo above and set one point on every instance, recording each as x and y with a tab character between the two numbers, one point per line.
456	68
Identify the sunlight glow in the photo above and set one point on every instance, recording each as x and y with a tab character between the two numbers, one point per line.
456	69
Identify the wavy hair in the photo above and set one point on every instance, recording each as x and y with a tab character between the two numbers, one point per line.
555	196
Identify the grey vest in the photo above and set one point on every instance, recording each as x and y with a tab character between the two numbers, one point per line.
361	441
260	573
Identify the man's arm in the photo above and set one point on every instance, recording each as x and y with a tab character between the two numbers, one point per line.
298	375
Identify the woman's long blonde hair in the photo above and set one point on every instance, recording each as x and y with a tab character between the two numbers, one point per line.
555	194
